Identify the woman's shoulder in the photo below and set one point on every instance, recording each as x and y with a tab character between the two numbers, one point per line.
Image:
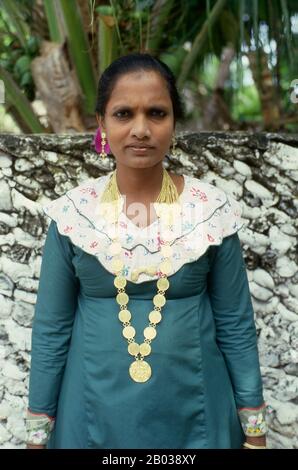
207	206
210	184
207	193
86	190
91	186
77	209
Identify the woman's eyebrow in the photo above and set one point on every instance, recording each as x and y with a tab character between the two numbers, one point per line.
152	106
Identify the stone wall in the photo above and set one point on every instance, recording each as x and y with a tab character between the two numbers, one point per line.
260	170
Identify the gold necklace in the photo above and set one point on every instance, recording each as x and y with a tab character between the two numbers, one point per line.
139	370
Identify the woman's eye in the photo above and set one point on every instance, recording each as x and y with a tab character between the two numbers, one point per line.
153	112
120	114
158	113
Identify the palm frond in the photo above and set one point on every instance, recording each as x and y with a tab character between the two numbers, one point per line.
159	17
17	23
117	26
107	37
287	28
16	98
209	27
199	42
79	50
50	7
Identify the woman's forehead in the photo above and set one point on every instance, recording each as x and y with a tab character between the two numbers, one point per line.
150	82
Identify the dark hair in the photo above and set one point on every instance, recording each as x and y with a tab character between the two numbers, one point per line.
132	63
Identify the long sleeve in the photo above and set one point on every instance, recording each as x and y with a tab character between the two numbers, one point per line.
236	336
51	331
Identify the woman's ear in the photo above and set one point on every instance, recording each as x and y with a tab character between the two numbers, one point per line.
100	121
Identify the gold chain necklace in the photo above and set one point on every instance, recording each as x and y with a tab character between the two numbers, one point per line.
139	370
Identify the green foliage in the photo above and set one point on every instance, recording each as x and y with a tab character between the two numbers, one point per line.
16	59
229	26
108	49
173	58
247	105
80	54
185	35
209	71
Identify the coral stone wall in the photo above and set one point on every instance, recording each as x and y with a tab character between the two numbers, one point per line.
260	170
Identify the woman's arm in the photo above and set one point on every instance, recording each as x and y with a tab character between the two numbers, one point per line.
236	333
51	333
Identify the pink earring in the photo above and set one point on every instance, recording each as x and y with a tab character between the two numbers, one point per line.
101	146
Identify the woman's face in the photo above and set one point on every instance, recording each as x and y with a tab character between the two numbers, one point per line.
139	119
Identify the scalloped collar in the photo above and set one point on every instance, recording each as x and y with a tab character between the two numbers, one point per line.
198	201
208	214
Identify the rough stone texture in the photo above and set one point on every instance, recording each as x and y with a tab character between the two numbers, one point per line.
260	170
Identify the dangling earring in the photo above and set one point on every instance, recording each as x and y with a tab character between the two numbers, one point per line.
101	146
103	143
174	142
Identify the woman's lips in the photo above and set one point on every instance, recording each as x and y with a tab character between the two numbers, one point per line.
140	150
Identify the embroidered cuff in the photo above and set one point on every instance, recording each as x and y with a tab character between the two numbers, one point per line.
38	428
253	420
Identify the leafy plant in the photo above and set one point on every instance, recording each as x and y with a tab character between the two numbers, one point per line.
182	34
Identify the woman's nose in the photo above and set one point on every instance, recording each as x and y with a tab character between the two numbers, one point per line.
140	127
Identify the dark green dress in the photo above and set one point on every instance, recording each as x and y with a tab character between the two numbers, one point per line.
204	359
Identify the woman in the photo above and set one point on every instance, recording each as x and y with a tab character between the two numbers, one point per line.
144	334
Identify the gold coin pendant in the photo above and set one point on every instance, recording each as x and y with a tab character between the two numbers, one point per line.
149	332
128	332
145	349
124	316
155	316
159	300
122	298
119	282
133	348
117	265
166	267
163	283
140	371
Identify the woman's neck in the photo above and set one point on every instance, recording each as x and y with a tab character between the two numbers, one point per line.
139	183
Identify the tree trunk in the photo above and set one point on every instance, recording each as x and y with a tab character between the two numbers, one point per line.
216	114
58	88
266	91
